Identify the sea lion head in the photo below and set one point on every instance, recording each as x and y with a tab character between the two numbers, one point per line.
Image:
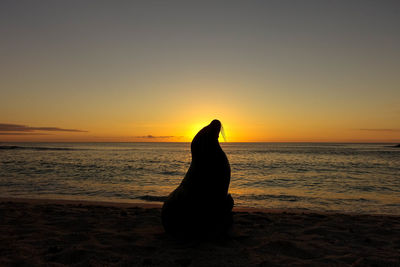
205	143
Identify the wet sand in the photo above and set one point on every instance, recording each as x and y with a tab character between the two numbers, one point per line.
58	232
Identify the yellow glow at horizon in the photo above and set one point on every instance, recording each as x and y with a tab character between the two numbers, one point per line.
239	126
196	127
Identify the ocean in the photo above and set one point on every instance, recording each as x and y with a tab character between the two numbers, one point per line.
349	178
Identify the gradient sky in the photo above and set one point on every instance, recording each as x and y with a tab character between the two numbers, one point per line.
160	70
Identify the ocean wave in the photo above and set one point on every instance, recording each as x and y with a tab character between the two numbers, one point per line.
290	198
36	148
171	173
153	198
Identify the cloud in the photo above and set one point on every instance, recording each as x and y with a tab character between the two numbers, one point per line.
24	133
155	136
380	130
4	127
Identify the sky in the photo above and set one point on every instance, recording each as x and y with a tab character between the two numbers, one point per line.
270	71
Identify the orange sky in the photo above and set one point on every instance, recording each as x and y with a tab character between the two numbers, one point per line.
270	71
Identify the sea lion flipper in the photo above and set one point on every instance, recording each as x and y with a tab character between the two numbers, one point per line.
229	202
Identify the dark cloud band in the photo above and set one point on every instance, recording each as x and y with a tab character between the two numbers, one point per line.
155	136
10	133
380	130
5	127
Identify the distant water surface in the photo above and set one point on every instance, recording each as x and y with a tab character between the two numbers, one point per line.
361	178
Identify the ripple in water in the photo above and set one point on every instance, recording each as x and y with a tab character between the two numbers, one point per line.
362	178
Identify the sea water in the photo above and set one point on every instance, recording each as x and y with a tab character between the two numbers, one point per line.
360	178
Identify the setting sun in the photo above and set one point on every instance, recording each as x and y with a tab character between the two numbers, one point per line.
195	128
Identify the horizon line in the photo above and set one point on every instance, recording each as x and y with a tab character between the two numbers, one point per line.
250	142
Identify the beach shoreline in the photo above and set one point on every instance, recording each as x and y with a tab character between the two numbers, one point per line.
74	232
155	204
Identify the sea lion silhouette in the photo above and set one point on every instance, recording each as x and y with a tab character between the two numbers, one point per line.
201	203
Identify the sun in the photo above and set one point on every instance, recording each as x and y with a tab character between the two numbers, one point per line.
196	127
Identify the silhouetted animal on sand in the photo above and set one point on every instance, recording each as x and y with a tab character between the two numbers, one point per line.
201	203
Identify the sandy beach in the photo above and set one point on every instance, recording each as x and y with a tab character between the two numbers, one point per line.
79	233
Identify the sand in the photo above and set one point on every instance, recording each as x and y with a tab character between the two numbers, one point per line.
57	233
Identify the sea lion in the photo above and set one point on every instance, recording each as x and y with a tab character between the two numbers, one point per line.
201	203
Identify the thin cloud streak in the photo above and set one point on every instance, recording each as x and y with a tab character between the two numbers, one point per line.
5	127
24	134
155	136
380	130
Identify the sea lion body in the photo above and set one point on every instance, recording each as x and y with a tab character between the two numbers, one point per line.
201	203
